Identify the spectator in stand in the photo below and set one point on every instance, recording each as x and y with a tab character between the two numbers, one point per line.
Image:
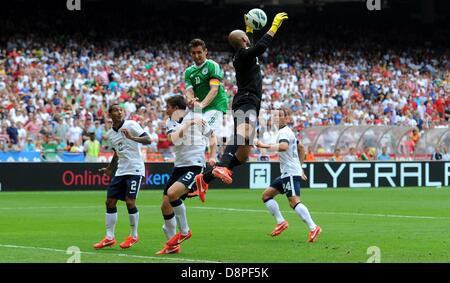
105	142
415	136
367	154
384	155
98	130
74	133
13	133
321	149
30	145
91	148
163	143
437	154
445	153
310	154
337	155
351	155
33	126
61	128
153	137
4	136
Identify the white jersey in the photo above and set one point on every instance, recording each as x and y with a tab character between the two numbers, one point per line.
129	152
190	149
289	162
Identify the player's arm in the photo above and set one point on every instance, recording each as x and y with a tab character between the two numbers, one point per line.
190	95
261	46
137	134
214	89
215	77
144	138
108	169
301	157
301	152
283	145
175	135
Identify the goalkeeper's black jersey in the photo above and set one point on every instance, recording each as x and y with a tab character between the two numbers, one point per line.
248	71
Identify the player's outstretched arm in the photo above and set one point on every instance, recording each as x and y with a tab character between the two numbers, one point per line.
261	46
278	147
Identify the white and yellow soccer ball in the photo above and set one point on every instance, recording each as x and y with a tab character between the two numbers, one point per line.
256	19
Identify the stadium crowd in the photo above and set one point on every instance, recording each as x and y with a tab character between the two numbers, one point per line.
55	90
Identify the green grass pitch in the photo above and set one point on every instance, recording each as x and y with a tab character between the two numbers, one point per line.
406	224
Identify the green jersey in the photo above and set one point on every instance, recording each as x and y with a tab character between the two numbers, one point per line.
199	77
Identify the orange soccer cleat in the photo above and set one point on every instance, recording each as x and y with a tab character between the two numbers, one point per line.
169	250
178	239
279	228
129	241
193	194
105	243
224	174
313	234
202	187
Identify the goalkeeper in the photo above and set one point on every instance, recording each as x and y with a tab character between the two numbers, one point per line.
246	103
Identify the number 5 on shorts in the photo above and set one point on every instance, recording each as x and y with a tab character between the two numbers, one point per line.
188	176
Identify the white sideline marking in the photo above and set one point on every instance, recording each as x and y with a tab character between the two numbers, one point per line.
122	255
247	210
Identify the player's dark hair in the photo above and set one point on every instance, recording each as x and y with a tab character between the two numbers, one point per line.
110	109
177	101
285	111
197	42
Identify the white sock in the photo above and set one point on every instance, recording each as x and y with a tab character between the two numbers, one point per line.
180	214
134	221
303	212
274	209
170	227
111	219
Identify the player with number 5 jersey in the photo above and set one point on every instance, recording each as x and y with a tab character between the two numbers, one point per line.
126	137
188	133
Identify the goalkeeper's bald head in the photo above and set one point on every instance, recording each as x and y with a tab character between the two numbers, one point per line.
238	39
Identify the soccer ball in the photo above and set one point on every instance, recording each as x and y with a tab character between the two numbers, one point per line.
256	19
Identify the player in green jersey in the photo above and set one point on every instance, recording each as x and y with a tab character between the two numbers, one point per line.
204	89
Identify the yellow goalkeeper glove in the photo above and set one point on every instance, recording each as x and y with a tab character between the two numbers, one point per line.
247	28
277	21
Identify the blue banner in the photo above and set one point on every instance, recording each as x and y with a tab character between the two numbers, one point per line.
70	157
21	156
